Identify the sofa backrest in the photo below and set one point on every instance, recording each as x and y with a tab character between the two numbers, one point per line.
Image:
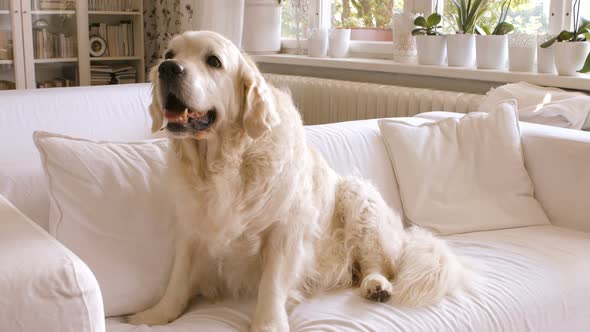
116	113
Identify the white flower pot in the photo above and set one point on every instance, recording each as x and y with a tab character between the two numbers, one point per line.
546	60
339	43
262	27
461	50
317	43
222	16
432	50
570	57
492	51
522	52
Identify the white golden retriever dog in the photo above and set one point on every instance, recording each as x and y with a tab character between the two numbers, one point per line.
260	212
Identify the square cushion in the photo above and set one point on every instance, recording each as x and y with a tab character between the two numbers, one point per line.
108	205
463	175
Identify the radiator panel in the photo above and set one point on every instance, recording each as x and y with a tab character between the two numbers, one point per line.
324	101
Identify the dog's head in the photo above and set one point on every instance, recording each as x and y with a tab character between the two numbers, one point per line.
205	85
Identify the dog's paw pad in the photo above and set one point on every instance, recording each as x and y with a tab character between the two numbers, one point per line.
376	287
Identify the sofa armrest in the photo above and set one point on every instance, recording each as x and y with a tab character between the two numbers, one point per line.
558	162
43	286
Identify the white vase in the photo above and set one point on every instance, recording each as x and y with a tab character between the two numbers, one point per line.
317	43
545	56
461	50
570	57
546	60
262	27
222	16
432	50
339	43
491	51
522	52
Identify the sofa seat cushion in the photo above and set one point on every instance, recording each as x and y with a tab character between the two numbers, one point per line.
530	279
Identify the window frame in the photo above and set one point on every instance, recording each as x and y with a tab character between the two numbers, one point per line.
320	17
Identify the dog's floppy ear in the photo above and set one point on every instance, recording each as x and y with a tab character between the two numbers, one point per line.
258	113
157	117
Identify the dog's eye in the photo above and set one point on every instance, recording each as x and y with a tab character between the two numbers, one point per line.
169	55
213	61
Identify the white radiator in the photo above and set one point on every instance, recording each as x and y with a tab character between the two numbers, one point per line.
323	100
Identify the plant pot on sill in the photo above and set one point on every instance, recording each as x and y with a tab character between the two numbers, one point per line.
262	27
461	50
491	51
432	50
339	43
570	57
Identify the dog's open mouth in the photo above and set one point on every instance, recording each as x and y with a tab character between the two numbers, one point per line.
181	118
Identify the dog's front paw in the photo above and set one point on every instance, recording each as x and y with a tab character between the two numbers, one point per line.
149	317
376	287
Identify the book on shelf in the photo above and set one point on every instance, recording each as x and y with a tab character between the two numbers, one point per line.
50	45
7	85
119	38
5	45
112	74
111	5
54	5
59	82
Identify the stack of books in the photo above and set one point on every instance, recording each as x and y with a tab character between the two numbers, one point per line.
56	83
5	45
4	4
54	4
105	74
6	85
111	5
50	45
119	38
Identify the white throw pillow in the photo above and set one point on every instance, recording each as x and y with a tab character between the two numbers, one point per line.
108	206
463	175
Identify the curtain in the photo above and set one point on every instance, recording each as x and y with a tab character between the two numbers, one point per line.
164	19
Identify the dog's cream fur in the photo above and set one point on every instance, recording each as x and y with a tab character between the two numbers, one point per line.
261	212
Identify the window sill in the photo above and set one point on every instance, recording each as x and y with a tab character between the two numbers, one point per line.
581	82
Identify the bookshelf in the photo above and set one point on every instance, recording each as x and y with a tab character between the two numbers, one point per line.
49	42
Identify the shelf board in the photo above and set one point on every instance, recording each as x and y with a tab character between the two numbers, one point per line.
53	12
116	58
4	12
56	60
6	62
119	13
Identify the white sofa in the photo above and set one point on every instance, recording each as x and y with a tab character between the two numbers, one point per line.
531	278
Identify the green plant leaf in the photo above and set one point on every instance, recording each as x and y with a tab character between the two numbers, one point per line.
549	42
565	35
586	67
419	32
434	19
481	30
421	22
503	28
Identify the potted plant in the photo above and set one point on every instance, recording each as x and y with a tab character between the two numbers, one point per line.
572	48
461	45
262	26
340	37
492	45
430	42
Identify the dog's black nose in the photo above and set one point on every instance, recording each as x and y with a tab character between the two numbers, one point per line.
170	69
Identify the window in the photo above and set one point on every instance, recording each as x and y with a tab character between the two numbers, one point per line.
368	19
527	16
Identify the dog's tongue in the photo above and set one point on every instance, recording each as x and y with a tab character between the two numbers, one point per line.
176	117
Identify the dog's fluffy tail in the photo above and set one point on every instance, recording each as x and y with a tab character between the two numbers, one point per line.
427	270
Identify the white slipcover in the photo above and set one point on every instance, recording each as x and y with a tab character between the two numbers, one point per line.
43	286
